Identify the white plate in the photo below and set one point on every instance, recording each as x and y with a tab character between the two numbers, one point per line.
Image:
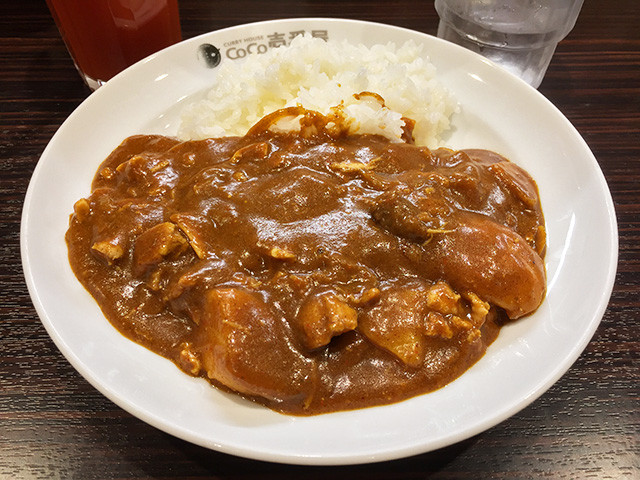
499	112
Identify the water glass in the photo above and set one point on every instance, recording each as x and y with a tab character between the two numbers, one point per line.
519	35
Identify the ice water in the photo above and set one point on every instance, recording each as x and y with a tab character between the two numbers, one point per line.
520	39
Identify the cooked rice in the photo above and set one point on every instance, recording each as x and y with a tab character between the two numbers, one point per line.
318	75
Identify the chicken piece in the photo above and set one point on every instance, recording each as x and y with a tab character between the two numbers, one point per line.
108	250
453	314
519	185
189	360
400	217
478	255
139	166
244	346
437	325
406	319
350	167
396	323
479	309
367	297
517	180
157	243
494	262
324	316
192	227
82	209
281	254
443	299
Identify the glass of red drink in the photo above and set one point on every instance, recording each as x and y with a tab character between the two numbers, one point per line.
106	36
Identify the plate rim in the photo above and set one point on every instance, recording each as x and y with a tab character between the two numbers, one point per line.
388	454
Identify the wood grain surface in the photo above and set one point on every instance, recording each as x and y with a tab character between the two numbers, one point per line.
54	425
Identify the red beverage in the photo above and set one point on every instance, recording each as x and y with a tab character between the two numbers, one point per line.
106	36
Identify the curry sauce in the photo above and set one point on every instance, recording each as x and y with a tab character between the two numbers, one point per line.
311	271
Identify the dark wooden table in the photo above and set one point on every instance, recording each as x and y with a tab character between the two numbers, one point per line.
53	424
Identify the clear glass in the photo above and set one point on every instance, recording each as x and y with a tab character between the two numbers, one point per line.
520	35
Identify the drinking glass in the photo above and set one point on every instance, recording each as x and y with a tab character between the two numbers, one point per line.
106	36
519	35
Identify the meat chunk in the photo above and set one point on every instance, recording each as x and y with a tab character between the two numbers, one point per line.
244	346
400	217
437	325
350	166
82	209
188	359
156	243
454	315
396	323
108	250
324	316
479	308
407	318
478	255
494	262
518	181
443	299
281	253
192	227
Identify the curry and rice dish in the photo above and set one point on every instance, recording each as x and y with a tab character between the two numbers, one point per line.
312	270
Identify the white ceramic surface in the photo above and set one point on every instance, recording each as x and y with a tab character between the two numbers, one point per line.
498	111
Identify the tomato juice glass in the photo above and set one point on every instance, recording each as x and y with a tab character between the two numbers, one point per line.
106	36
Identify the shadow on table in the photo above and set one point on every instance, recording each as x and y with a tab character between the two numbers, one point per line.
217	465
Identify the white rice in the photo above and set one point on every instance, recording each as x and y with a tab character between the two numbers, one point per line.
318	75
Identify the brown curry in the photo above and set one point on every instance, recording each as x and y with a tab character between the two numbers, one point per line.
311	271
